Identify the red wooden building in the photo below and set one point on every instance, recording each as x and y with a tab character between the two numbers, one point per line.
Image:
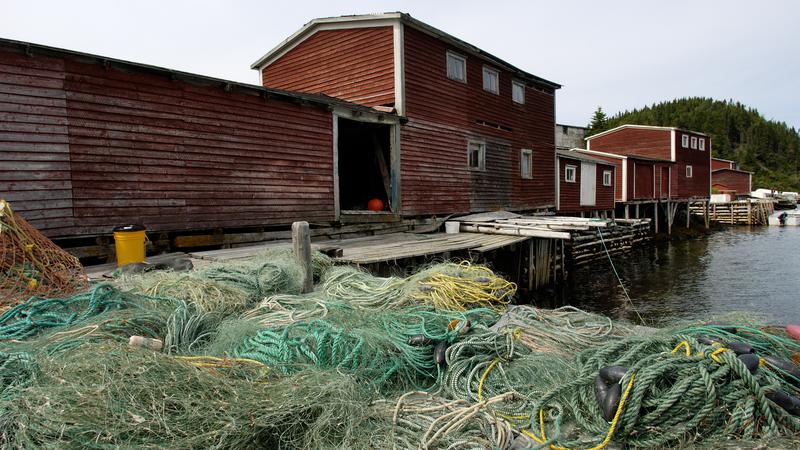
88	142
476	132
584	184
637	178
690	175
726	177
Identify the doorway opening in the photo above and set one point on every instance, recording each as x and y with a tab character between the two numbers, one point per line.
364	151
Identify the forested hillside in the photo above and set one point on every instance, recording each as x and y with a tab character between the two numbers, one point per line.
768	148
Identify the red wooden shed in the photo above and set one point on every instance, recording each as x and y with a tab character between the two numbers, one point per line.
637	178
584	183
88	142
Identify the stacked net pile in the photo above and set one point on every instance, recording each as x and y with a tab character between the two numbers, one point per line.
31	265
433	360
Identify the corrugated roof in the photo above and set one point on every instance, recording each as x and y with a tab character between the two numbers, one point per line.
318	99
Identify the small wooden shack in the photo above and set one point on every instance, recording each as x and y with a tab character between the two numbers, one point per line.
726	177
637	178
585	184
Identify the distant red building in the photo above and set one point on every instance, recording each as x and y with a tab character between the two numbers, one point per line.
585	184
690	152
477	132
727	177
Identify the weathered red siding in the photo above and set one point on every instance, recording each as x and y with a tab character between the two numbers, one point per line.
634	141
732	180
570	193
443	115
170	154
354	64
699	185
720	164
34	150
643	180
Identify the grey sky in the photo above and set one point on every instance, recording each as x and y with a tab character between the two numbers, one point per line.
617	54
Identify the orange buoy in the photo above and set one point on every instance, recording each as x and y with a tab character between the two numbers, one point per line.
793	331
375	205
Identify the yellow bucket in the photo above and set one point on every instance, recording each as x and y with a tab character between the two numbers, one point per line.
130	246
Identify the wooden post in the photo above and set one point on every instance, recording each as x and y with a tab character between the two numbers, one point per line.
688	215
627	211
301	244
732	213
655	215
669	218
637	211
705	214
749	212
531	266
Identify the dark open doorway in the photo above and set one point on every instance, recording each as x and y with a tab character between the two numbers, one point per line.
364	164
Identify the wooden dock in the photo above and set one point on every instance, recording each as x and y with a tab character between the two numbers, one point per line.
740	212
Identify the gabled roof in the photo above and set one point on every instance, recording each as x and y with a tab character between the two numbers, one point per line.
317	99
576	154
386	19
642	127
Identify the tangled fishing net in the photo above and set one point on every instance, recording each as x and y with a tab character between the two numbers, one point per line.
434	360
31	265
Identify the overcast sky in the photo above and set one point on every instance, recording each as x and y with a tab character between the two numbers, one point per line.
614	54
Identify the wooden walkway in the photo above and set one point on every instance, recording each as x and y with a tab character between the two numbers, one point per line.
381	248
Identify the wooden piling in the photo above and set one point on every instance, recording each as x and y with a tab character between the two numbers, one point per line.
301	244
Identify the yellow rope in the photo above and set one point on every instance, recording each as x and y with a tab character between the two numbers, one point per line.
213	361
611	429
683	344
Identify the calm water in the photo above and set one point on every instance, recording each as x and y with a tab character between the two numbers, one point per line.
738	269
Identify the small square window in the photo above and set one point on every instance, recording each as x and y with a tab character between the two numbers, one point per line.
702	144
685	141
569	174
476	155
526	163
688	171
491	80
607	178
694	142
456	67
518	92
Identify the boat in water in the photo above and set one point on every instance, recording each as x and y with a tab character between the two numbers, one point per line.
785	218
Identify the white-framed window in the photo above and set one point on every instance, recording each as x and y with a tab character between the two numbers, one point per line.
570	174
456	67
694	142
607	178
476	155
518	92
491	80
688	171
526	163
685	141
702	144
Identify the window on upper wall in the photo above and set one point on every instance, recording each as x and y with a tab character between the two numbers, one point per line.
476	155
694	142
606	178
518	92
701	144
688	171
526	163
569	173
456	67
491	80
685	141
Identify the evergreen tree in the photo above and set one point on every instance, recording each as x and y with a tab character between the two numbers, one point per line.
599	122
